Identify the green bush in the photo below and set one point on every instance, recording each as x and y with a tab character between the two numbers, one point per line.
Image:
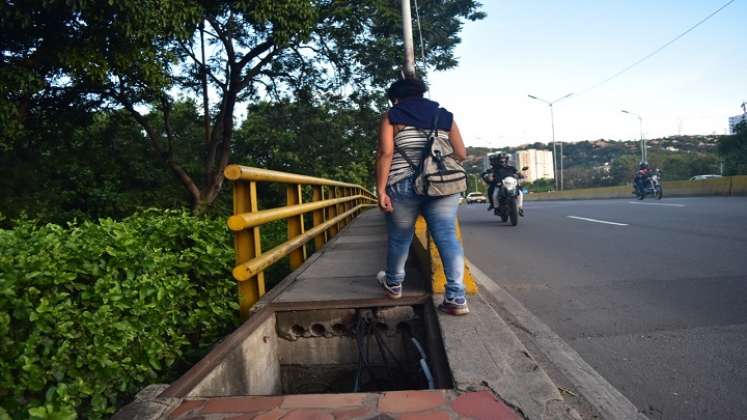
92	312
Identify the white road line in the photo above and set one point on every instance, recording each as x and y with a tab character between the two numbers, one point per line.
656	204
597	221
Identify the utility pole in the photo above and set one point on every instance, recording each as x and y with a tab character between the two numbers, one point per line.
204	81
644	154
409	68
558	186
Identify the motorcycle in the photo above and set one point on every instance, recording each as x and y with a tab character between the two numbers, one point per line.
651	186
506	195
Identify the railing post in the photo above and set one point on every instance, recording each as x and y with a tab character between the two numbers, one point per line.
339	208
317	194
332	212
295	225
248	246
348	205
343	206
358	201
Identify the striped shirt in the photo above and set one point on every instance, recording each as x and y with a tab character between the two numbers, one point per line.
411	141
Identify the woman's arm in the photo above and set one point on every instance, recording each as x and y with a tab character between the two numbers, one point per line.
384	162
460	153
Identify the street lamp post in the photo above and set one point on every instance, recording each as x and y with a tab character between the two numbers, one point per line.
409	68
554	149
644	154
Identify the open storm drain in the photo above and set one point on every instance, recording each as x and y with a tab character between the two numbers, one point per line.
328	351
354	350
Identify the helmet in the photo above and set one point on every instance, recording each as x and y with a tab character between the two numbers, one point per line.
493	159
643	165
502	159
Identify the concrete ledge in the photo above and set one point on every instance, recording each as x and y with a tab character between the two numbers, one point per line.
484	353
148	405
725	186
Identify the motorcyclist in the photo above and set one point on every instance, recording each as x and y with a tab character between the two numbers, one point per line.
499	169
641	177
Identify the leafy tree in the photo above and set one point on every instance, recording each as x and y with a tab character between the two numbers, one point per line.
684	165
623	169
733	150
586	177
102	169
135	54
332	138
540	185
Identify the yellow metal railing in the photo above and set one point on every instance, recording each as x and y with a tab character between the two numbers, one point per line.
333	205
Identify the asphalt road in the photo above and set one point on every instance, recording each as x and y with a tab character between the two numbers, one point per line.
656	303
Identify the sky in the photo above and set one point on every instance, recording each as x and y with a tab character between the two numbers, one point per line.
549	48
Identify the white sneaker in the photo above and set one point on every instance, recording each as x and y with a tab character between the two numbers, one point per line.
393	291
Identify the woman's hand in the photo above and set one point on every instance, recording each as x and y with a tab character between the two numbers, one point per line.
385	203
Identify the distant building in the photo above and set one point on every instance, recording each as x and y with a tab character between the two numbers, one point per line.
538	162
733	121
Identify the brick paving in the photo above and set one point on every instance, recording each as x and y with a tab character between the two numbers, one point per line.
395	405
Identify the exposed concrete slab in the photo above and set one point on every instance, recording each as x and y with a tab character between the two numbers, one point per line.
251	369
147	405
348	239
350	246
483	352
348	263
345	288
366	230
346	269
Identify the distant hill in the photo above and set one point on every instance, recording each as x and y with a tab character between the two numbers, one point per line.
611	162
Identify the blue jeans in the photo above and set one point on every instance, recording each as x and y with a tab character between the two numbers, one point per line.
440	215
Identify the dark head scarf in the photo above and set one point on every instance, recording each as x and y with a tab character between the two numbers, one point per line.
414	110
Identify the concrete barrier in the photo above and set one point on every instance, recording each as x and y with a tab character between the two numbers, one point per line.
715	186
739	185
725	186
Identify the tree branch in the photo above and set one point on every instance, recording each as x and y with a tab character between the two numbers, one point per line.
167	159
255	52
227	43
257	68
166	110
203	66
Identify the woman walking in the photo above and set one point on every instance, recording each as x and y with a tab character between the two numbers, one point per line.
403	134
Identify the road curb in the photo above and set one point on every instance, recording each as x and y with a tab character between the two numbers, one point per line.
430	259
484	353
597	391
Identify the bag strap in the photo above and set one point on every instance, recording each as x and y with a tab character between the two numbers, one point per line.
426	148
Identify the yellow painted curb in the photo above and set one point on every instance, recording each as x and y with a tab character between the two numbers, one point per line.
438	277
738	185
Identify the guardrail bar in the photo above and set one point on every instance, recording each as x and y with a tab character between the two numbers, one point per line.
245	271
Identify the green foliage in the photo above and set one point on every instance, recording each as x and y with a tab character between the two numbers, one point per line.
83	56
101	169
733	150
680	166
623	169
540	185
92	312
332	138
